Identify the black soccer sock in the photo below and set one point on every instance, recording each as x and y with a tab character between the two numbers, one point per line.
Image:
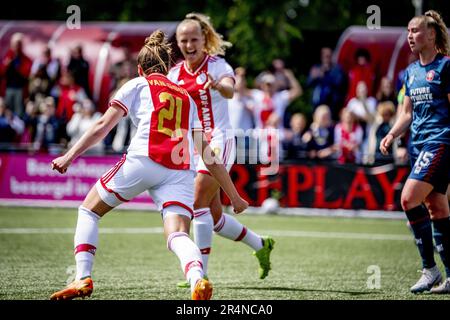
442	239
420	222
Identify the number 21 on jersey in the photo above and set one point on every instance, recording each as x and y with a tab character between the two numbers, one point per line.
174	110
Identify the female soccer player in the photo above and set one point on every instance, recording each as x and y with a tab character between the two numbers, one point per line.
426	108
159	159
209	80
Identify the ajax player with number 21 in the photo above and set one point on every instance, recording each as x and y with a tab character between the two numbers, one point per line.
426	109
159	160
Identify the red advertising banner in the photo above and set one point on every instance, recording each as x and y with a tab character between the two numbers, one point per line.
311	185
31	178
323	185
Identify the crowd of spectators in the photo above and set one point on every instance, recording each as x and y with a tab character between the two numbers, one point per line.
46	106
349	114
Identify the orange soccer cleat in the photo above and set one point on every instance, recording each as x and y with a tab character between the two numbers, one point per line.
203	290
77	289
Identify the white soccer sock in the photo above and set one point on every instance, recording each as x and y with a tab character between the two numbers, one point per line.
188	254
86	240
203	226
230	228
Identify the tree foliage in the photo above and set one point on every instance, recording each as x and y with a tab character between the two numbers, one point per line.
259	33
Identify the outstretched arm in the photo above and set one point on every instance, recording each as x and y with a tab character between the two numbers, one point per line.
296	89
401	124
218	171
96	133
225	86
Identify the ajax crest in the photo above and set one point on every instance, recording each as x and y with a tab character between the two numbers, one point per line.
201	79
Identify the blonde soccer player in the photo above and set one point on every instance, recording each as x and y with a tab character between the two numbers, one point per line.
426	110
159	160
209	79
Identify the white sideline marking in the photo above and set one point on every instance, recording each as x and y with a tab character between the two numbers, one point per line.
147	207
72	230
277	233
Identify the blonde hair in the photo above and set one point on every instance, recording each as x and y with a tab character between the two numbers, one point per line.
321	110
386	106
214	43
434	20
155	55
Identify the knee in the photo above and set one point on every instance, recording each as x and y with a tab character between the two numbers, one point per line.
437	210
407	202
199	203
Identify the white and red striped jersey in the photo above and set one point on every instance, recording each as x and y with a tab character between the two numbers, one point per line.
164	115
212	107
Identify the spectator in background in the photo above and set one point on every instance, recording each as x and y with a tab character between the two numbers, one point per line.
67	93
361	71
401	156
328	82
240	107
240	110
269	100
401	74
48	66
386	91
79	68
119	140
124	69
119	137
269	140
30	119
320	135
281	79
48	130
39	83
277	69
83	118
11	126
15	68
348	138
124	132
293	144
383	123
363	106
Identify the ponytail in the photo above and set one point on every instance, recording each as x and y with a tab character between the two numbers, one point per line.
155	55
434	20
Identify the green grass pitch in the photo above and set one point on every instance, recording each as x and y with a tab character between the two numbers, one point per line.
314	258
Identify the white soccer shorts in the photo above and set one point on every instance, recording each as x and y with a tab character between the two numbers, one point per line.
133	175
224	148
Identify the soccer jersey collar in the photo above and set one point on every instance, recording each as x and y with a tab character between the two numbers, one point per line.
156	74
198	68
437	56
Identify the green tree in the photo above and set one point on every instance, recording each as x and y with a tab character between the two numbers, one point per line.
259	30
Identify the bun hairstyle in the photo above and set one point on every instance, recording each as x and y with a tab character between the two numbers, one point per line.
434	20
155	55
214	43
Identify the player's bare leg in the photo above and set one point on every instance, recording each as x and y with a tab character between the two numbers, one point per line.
86	240
229	227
